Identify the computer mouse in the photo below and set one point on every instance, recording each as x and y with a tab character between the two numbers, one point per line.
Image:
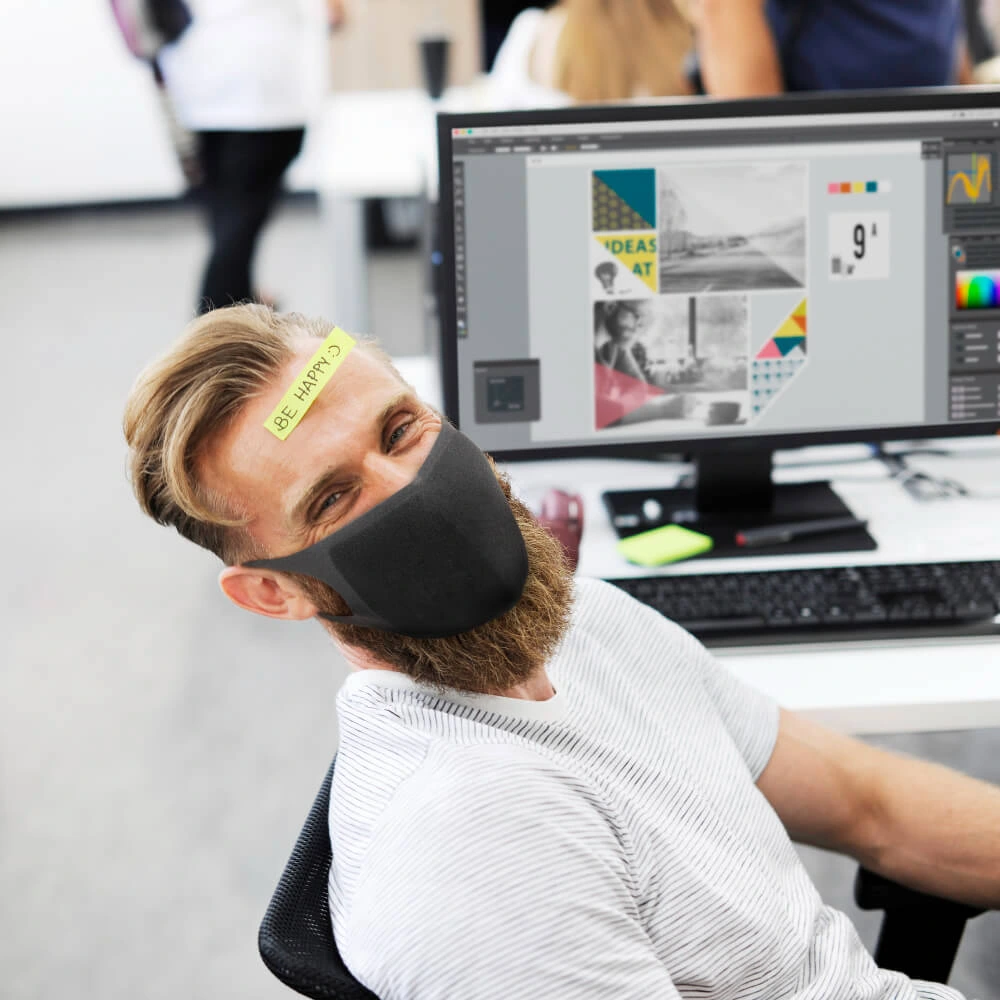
561	514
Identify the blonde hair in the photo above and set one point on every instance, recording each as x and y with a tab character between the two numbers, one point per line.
190	394
613	50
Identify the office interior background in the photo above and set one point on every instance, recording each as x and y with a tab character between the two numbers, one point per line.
159	749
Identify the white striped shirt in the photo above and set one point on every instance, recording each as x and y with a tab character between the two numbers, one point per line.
606	844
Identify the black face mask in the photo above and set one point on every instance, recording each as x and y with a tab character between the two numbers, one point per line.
440	556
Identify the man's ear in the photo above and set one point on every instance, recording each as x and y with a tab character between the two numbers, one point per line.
265	593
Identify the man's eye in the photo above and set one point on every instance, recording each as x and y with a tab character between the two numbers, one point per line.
329	501
398	434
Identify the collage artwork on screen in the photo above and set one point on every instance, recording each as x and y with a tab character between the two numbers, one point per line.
679	253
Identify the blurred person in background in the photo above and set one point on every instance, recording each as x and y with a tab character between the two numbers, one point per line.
583	51
497	16
979	32
982	28
246	77
759	47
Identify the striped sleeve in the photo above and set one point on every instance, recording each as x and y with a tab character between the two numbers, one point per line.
934	991
749	716
496	875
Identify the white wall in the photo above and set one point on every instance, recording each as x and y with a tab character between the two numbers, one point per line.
79	117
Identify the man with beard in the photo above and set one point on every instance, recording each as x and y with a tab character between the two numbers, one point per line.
543	789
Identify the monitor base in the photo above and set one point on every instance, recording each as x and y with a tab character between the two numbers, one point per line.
633	511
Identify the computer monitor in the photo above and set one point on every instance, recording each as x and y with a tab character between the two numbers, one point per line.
723	279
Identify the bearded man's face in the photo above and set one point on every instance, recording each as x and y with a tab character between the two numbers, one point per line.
365	437
488	659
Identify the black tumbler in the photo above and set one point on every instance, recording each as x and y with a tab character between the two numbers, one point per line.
434	57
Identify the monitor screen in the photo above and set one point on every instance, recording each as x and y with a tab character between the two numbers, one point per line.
685	275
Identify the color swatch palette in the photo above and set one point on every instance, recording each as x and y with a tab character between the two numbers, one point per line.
977	290
858	187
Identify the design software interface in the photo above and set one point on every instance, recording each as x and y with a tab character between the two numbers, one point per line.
676	280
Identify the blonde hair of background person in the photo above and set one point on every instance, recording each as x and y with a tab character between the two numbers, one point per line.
628	48
588	51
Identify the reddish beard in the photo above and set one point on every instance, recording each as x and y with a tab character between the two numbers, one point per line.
488	659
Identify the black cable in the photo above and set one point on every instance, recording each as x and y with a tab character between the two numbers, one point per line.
919	485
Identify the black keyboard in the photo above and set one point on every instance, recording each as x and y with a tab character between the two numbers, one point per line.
836	603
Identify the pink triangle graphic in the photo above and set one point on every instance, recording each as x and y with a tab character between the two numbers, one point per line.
769	350
616	394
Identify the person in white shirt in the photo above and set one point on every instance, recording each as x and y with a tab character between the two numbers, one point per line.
583	51
246	77
543	788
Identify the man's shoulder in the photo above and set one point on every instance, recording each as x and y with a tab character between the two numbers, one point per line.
484	776
622	645
463	816
469	807
604	610
463	795
594	595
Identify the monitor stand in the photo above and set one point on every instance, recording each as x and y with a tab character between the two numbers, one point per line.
734	491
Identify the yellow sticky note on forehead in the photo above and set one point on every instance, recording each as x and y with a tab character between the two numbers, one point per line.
307	385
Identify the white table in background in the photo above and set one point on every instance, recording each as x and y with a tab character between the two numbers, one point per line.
373	144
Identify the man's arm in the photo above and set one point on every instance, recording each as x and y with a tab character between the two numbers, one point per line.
917	823
336	14
964	73
736	49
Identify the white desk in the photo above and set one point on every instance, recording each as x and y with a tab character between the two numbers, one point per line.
867	687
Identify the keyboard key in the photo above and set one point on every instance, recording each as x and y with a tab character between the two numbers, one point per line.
871	615
967	610
710	625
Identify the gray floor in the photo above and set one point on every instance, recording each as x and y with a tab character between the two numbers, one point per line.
158	748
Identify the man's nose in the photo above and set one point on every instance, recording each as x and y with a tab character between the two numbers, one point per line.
386	474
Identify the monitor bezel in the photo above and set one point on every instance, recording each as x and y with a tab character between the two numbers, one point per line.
855	102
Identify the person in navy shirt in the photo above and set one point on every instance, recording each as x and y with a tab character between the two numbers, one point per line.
758	47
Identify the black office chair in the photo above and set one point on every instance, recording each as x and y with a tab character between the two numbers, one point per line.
295	938
919	936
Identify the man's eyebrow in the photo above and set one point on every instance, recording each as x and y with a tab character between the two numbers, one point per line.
329	477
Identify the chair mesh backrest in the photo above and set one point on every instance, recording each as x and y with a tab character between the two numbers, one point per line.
295	939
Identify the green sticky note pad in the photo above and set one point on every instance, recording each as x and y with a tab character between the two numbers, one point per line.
668	544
